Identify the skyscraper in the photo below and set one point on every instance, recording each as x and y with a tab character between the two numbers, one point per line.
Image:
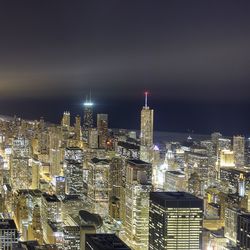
78	129
8	233
138	187
66	119
102	127
73	171
99	185
175	221
104	242
88	114
147	122
239	150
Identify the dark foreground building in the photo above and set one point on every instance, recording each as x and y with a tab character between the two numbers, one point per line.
104	242
175	221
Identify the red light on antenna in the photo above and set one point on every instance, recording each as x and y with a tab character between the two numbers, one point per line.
146	92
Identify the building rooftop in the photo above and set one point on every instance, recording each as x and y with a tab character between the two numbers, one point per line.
137	162
128	145
106	242
7	224
100	161
50	198
176	200
176	173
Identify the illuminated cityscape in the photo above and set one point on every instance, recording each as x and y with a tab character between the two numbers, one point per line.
119	189
124	125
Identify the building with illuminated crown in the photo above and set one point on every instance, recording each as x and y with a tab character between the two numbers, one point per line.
87	116
147	123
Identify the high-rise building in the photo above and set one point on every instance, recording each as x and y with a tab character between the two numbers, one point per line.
175	221
87	117
102	127
239	150
117	168
36	166
78	129
147	122
243	231
98	185
104	242
175	181
37	224
138	187
66	119
8	234
20	171
88	114
93	138
51	212
73	171
231	220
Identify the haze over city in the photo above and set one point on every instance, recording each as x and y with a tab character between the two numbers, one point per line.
193	57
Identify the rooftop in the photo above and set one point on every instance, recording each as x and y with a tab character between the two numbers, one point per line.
176	200
7	224
137	162
100	161
50	198
106	242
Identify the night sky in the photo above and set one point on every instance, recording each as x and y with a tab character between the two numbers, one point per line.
193	57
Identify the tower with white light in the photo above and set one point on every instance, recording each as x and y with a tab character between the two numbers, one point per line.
87	115
147	122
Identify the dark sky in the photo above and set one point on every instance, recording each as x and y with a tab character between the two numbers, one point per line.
193	57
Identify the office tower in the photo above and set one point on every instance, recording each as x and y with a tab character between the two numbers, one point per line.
117	168
147	122
243	231
104	242
93	138
215	137
231	220
223	144
239	150
231	176
20	171
8	234
76	227
55	138
35	165
50	213
78	129
98	185
175	221
66	119
242	186
194	185
73	171
175	181
59	185
138	187
102	127
226	158
88	114
36	225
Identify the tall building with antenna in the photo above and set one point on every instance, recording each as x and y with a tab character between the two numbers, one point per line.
147	123
88	115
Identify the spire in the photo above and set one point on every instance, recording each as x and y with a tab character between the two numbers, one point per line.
146	99
90	95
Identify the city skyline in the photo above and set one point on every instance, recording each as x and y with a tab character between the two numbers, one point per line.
193	57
